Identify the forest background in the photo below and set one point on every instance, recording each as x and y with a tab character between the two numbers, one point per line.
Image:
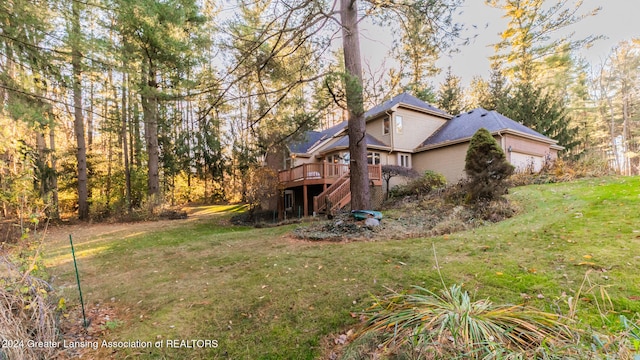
113	106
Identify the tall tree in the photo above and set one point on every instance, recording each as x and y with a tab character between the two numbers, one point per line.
27	79
532	106
478	93
539	63
451	95
618	96
532	33
162	33
75	36
360	198
426	30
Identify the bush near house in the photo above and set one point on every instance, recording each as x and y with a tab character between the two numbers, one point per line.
390	171
422	185
486	167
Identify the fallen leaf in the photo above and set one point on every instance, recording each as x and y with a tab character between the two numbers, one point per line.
587	257
586	263
499	273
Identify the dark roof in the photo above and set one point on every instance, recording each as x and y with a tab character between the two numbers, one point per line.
404	98
463	126
344	142
314	137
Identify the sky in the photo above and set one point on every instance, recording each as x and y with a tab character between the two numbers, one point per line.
617	21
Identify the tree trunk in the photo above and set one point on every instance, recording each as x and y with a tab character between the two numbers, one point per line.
125	150
54	212
90	117
41	162
78	121
150	114
360	198
135	140
625	131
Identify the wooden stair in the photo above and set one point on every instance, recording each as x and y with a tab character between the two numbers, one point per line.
337	196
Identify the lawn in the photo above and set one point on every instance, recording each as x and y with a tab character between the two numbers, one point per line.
261	294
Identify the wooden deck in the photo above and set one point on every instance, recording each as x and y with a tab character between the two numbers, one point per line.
322	174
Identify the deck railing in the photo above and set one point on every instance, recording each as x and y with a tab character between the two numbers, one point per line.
323	171
323	201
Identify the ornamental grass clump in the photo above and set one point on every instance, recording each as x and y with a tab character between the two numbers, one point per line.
452	325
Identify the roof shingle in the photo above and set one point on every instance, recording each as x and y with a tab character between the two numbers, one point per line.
344	142
404	98
314	137
463	126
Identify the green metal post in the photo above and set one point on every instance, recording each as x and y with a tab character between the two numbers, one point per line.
73	253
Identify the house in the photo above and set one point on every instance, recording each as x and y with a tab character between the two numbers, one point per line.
403	131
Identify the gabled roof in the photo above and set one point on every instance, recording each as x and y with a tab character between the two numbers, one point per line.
343	143
406	99
313	138
463	126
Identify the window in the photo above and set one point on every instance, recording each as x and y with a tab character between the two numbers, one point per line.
373	158
398	124
288	200
341	158
405	160
386	126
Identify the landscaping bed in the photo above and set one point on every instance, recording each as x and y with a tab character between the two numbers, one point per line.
409	217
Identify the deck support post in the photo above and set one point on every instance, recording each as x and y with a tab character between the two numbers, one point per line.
305	201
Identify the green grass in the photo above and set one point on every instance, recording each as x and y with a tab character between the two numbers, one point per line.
263	295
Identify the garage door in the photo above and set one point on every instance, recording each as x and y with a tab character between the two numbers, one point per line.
526	162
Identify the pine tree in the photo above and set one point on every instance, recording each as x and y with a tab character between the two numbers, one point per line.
450	95
163	37
533	107
486	167
528	41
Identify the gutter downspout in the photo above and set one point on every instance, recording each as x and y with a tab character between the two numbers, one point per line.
390	114
503	144
391	121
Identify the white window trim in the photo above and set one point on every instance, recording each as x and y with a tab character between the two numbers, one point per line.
388	130
373	156
408	157
399	121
